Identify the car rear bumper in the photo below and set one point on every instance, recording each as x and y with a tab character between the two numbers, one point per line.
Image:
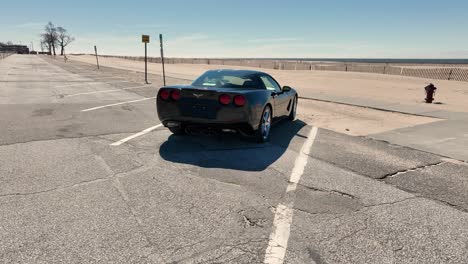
210	128
223	118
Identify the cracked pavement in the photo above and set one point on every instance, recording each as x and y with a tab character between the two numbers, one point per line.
67	196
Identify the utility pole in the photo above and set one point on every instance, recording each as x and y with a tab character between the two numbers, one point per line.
97	60
162	58
146	63
146	39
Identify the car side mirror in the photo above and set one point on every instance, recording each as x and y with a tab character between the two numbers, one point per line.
286	88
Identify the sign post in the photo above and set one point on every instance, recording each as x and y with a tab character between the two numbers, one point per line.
146	39
162	58
97	60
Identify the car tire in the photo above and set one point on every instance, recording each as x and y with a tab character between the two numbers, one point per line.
178	131
292	114
262	134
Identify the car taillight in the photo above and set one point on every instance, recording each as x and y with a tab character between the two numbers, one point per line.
239	100
224	99
175	95
164	94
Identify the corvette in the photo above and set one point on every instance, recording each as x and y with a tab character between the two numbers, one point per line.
241	101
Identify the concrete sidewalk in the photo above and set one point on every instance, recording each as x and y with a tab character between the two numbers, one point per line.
448	137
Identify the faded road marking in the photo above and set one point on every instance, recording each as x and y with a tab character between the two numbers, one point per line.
121	103
107	91
278	243
88	83
120	142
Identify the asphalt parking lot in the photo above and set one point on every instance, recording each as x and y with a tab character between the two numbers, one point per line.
88	175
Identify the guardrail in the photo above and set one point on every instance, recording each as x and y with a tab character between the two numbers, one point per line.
437	72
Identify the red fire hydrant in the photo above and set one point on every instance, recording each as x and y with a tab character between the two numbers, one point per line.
430	91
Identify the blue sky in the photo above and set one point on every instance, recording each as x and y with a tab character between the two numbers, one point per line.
255	28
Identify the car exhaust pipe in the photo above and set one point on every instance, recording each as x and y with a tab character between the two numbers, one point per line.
173	124
228	130
208	131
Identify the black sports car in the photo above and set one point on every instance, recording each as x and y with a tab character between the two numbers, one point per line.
227	101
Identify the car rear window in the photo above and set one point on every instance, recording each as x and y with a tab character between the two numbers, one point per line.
221	79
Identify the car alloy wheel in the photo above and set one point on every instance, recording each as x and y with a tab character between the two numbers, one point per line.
292	115
266	123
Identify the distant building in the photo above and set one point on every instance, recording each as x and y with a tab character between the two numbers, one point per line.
18	49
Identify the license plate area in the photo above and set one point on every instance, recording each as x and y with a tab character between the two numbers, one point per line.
199	111
199	107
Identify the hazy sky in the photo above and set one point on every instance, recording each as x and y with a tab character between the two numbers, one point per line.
250	28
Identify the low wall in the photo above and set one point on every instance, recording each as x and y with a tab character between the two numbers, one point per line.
4	55
445	72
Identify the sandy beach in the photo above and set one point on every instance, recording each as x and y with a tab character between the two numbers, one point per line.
452	95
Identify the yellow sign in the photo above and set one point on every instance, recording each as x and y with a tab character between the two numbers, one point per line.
145	38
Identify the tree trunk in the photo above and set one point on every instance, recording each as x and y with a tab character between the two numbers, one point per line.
53	48
61	50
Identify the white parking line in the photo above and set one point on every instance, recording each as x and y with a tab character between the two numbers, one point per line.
278	243
121	103
88	83
120	142
108	91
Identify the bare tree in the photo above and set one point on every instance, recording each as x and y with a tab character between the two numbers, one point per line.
47	42
50	37
63	39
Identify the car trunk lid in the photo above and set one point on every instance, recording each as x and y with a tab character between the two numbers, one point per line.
203	102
